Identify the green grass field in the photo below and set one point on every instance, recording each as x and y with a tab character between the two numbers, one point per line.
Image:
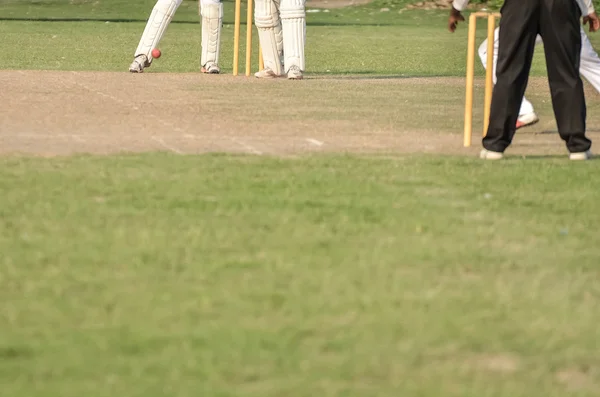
356	40
343	275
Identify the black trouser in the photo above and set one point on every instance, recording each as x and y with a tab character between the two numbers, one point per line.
558	22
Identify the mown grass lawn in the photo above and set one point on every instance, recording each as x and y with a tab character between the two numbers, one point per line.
332	275
220	275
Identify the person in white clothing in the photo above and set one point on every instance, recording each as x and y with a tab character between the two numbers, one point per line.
281	28
211	12
589	68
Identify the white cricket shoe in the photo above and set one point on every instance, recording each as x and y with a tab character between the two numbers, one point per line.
294	73
581	156
139	63
266	73
527	119
490	155
211	68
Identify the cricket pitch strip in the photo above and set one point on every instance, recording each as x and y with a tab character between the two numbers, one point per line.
50	113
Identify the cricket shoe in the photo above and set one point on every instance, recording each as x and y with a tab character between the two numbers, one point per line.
581	156
490	155
294	73
266	73
139	63
211	68
527	119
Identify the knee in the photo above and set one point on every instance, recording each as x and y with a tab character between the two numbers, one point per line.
166	4
211	9
209	2
167	7
265	14
292	9
565	82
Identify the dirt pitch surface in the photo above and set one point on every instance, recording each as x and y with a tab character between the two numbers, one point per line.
62	113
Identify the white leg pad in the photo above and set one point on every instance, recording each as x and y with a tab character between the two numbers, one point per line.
266	19
279	39
212	21
293	21
157	24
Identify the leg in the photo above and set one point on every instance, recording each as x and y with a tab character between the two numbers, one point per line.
515	53
157	24
527	114
293	21
560	29
268	23
590	63
212	21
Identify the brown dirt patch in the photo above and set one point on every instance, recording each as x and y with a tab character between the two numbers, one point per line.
499	363
62	113
578	379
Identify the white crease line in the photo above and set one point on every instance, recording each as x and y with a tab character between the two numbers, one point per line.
163	144
38	136
122	102
249	148
166	123
314	142
97	92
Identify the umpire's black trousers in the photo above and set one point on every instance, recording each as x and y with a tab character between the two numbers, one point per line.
558	22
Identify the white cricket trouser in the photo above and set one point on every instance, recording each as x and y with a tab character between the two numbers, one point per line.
589	66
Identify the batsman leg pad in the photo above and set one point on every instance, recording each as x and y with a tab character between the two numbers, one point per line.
157	24
266	19
293	21
212	21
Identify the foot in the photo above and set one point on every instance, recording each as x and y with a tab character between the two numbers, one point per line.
527	119
139	63
211	68
294	73
580	156
490	155
266	73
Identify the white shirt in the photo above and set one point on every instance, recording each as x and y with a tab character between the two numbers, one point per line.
586	6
